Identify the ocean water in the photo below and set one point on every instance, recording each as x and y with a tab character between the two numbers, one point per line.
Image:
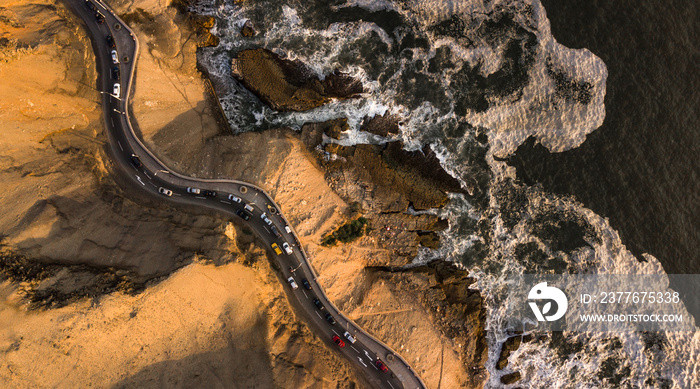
474	80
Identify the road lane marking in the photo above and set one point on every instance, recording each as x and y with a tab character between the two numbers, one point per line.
367	354
111	119
177	194
120	145
362	362
268	231
225	202
201	197
319	315
392	386
335	332
375	366
354	349
144	172
139	178
154	185
305	293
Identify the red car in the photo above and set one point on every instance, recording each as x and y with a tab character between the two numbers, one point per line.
340	342
380	365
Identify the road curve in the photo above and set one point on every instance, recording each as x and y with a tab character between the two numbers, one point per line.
150	174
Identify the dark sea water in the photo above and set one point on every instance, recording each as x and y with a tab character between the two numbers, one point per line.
641	168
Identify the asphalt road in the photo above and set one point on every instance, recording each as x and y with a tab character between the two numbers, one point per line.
148	173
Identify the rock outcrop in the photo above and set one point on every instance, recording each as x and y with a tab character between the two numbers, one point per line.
287	85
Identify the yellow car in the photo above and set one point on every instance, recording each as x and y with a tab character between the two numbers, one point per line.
277	249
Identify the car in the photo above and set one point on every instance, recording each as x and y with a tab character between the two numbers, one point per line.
164	191
267	221
319	304
209	193
243	215
306	283
292	283
99	17
330	318
263	216
115	73
234	198
117	89
338	341
276	248
248	208
286	248
349	337
289	230
136	161
380	365
115	57
276	232
193	190
110	41
90	6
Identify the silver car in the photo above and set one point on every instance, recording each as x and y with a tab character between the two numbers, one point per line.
164	191
116	91
115	57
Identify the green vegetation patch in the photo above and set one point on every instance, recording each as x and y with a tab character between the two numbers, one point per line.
347	232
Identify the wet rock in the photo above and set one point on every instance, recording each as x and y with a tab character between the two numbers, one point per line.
509	346
248	30
287	85
511	378
381	125
336	127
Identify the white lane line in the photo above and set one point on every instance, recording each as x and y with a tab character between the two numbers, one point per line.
268	231
177	194
225	202
154	185
305	293
362	362
100	4
354	349
319	315
111	119
374	366
120	145
144	172
335	332
392	386
367	354
201	197
139	178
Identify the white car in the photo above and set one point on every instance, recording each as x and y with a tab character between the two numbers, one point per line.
286	248
115	57
116	91
234	198
248	208
289	230
268	221
292	283
166	192
193	190
349	337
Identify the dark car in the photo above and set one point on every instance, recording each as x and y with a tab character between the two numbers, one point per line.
319	304
381	365
306	284
100	18
275	231
330	318
209	193
90	5
136	161
116	74
242	214
110	41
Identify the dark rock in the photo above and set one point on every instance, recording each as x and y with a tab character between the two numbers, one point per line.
287	85
511	378
248	30
509	346
336	127
381	125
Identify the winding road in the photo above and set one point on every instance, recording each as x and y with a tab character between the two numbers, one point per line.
230	198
